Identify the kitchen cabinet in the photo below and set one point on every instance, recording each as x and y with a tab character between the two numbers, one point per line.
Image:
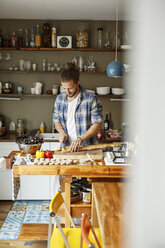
6	184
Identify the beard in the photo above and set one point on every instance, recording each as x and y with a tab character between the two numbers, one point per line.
74	93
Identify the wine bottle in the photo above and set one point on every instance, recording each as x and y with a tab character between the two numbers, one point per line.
38	38
106	122
32	37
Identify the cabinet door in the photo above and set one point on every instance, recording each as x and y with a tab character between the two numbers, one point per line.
6	185
7	147
34	187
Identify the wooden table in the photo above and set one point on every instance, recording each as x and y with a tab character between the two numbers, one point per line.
69	171
108	212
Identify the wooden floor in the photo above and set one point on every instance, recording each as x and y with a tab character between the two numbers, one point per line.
24	240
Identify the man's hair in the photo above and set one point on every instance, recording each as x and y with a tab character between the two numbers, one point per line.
71	72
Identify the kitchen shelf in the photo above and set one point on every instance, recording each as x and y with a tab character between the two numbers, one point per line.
50	95
65	49
27	72
28	94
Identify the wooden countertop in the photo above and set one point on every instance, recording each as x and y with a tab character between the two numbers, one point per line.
112	216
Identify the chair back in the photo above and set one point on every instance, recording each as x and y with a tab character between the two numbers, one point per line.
56	203
86	226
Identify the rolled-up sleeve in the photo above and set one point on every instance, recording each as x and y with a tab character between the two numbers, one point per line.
56	117
96	111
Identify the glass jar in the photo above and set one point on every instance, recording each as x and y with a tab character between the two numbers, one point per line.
82	35
20	127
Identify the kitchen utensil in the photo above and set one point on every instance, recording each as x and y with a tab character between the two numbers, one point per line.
20	89
103	90
117	91
7	88
38	87
32	91
29	148
54	91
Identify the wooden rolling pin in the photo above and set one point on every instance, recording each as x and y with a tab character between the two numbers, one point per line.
92	147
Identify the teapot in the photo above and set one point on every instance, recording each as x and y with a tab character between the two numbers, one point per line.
38	88
7	88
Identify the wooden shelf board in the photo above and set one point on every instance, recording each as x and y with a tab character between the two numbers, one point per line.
24	72
64	49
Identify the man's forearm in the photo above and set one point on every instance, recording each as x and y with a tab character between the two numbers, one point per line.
59	128
91	131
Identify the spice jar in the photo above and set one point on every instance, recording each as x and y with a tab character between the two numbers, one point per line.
20	126
82	35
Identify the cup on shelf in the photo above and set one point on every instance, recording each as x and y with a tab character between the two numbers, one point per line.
34	66
54	91
20	89
32	91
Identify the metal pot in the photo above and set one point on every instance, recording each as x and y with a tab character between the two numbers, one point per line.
7	88
85	194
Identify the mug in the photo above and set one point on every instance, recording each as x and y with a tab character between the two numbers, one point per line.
37	85
20	89
33	91
34	67
54	91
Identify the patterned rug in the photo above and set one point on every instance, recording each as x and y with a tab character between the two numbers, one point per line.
24	212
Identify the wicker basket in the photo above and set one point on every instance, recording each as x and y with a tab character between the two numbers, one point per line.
2	130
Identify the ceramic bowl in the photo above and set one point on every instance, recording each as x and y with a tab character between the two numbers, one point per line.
117	91
103	90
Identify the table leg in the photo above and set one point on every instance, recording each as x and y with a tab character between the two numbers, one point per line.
67	181
94	212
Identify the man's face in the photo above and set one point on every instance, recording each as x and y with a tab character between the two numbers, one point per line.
70	88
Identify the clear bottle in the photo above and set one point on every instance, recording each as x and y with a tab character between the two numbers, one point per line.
20	127
13	40
38	38
106	122
44	65
42	127
54	37
1	39
32	37
26	38
20	38
100	38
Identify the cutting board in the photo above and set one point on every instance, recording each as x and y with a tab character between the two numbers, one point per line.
96	154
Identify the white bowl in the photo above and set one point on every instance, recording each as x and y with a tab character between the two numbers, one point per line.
117	91
103	90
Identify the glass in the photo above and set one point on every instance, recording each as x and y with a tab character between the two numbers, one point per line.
107	42
82	35
100	38
44	65
28	65
20	127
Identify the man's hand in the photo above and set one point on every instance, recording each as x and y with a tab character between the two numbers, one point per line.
76	145
63	137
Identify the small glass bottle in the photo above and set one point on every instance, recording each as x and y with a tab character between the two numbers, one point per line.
106	122
20	127
32	38
42	127
13	40
54	37
44	65
100	38
1	39
20	38
26	38
38	38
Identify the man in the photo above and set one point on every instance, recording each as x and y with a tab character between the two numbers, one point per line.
77	112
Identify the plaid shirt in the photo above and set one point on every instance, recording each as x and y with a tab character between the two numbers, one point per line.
88	112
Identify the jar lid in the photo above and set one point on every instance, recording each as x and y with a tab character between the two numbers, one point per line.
100	29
